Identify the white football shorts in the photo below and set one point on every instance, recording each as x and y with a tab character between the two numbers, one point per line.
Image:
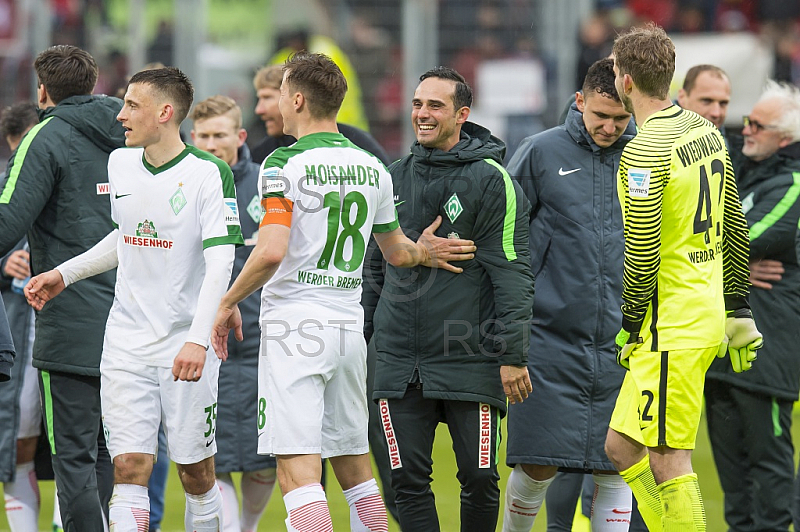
135	398
312	391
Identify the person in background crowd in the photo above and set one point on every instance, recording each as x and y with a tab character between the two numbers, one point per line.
218	130
706	91
750	414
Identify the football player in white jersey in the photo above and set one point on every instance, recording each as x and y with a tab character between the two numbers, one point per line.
322	197
176	225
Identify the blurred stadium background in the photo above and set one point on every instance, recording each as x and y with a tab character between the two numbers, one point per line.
524	59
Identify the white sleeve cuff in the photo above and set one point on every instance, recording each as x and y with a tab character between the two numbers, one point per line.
219	264
98	259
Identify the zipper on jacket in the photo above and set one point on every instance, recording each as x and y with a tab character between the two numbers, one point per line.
600	306
415	375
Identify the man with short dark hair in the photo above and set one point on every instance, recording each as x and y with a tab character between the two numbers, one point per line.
322	198
57	191
267	82
16	120
569	172
176	223
685	265
453	348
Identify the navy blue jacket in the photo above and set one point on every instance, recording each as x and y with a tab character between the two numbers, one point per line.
237	433
577	245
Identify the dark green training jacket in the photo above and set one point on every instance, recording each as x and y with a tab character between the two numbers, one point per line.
770	193
452	332
57	192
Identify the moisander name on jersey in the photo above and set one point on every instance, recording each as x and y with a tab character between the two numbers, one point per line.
699	148
354	174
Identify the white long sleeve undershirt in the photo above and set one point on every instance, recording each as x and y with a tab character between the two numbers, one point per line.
98	259
219	264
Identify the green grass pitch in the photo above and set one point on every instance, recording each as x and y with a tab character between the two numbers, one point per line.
445	486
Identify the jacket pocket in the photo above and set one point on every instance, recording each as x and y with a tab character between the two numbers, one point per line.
459	322
541	237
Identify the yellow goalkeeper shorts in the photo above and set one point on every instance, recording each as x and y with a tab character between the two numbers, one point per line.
661	398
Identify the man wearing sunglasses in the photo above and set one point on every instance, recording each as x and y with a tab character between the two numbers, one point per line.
750	414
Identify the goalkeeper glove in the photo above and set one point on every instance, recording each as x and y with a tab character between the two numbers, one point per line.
742	340
625	342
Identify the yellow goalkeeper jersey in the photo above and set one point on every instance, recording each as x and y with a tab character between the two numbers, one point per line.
686	239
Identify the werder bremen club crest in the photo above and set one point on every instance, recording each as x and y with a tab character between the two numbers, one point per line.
147	228
178	200
453	208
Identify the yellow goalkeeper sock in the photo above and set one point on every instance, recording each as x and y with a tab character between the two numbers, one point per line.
640	478
683	506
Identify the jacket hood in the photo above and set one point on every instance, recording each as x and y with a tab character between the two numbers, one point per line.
243	159
577	130
95	116
476	143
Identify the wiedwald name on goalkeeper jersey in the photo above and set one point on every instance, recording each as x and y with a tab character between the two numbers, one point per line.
695	150
685	235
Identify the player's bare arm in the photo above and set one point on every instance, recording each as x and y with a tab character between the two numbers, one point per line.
261	265
43	288
429	250
189	363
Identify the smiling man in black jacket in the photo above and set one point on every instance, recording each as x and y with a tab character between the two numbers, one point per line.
451	348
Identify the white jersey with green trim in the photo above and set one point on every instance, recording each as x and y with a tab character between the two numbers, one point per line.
340	195
166	217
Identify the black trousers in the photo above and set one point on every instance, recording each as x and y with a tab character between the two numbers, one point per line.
83	470
751	440
377	441
410	427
